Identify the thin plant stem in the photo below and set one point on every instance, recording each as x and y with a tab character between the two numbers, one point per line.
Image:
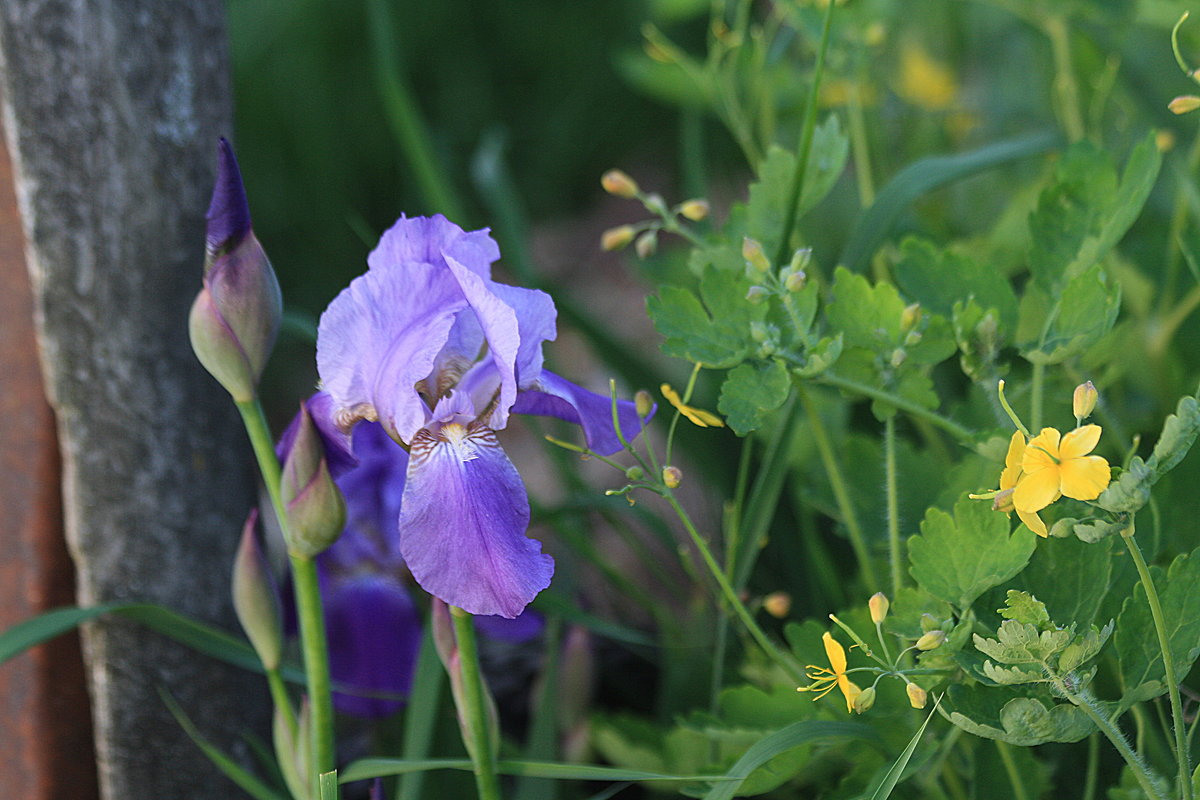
806	137
1160	628
960	432
279	697
1136	765
1179	217
1036	391
474	709
1010	768
1065	86
730	595
893	503
841	493
1093	768
311	619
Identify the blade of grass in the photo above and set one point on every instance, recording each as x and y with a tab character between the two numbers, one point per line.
894	773
366	768
421	717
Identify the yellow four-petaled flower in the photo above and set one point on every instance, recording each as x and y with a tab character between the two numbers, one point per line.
826	680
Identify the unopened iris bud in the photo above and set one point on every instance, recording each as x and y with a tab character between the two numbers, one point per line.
315	509
931	640
643	402
778	604
1084	401
917	697
864	700
672	477
617	183
635	473
491	715
757	294
879	605
756	259
695	210
235	317
1184	104
254	598
616	238
646	244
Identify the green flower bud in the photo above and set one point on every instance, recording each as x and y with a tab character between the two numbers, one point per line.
801	259
643	402
757	294
646	244
756	259
878	604
254	597
929	623
931	640
315	508
917	697
795	280
1084	401
635	473
864	700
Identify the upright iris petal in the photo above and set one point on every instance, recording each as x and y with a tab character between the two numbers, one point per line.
440	354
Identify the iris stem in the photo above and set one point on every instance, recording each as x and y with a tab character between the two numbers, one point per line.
739	608
474	707
841	494
893	503
283	703
1160	628
308	599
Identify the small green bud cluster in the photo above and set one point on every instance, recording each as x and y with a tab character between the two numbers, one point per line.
644	235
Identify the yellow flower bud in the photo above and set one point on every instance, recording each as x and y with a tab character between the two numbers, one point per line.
752	251
917	697
778	604
1184	104
931	640
616	238
1164	140
864	700
795	281
879	605
695	210
643	402
1084	401
672	477
617	183
909	317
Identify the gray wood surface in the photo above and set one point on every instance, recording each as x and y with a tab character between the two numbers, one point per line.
113	111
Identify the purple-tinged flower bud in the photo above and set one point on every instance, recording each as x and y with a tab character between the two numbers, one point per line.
643	403
291	753
695	210
315	508
235	318
931	640
617	183
1084	401
646	244
878	605
616	238
917	697
443	631
254	598
672	477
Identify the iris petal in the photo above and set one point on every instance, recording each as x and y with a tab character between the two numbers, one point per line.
554	396
1084	478
428	240
462	524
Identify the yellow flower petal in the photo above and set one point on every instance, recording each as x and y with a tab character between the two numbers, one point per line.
1033	522
1012	461
1042	451
1036	490
850	689
1084	478
835	653
698	416
1079	442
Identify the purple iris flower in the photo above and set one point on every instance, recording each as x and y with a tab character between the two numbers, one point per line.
429	346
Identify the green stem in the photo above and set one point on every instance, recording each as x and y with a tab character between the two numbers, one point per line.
963	434
474	709
1179	216
730	595
1010	767
1065	85
1160	628
893	503
841	494
282	702
308	598
1093	768
806	137
1036	392
1085	704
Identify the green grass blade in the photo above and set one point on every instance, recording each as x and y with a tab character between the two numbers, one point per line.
926	174
234	771
329	785
894	773
420	718
781	740
367	768
44	627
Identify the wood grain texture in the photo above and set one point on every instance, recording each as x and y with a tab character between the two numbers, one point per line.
114	108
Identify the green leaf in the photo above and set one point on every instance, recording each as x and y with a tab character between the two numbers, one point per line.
367	768
877	222
1084	213
892	776
1142	672
246	781
959	558
782	740
939	279
1177	437
1016	715
866	316
1070	576
329	785
718	341
1129	492
751	391
1025	608
1022	643
1085	311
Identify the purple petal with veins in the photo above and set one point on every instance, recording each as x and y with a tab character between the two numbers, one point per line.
554	396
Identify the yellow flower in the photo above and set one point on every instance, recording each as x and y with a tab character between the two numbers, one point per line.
826	680
705	419
924	81
1008	481
1053	465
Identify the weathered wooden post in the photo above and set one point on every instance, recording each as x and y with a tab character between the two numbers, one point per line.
113	111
